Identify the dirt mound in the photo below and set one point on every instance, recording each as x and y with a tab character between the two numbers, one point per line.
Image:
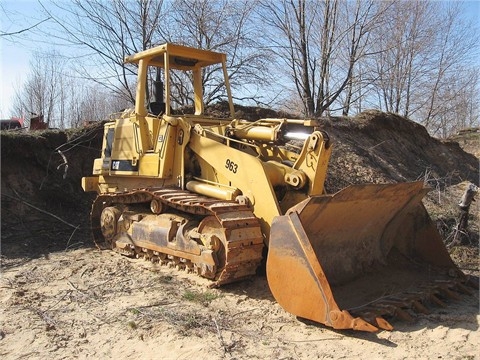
41	171
469	140
377	147
42	200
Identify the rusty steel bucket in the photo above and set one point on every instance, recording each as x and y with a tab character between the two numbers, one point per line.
352	259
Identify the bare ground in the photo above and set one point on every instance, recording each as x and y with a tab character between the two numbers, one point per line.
61	298
90	303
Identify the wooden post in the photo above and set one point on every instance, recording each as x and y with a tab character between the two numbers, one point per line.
464	205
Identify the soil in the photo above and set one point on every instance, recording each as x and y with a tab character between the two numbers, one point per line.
62	298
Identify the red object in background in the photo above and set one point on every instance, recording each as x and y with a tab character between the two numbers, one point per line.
13	123
37	123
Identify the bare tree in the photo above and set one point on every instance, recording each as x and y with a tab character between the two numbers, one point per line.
288	36
106	32
51	90
421	64
457	106
223	26
417	59
443	111
364	19
403	54
41	90
320	43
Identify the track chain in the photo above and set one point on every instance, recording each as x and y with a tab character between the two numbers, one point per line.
242	255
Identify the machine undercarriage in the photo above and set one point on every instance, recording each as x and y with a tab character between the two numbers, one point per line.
219	240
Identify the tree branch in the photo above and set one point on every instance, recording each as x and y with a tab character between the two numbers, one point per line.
2	33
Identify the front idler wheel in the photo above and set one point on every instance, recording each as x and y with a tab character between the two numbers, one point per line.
109	223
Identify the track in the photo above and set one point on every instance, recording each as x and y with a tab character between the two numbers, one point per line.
225	246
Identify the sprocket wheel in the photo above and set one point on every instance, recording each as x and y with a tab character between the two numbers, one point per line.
212	236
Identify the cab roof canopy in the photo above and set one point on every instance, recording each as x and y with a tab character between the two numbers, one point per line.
179	57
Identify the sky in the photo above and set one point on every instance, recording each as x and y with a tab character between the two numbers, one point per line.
16	51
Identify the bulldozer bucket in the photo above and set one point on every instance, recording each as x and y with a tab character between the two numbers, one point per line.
352	259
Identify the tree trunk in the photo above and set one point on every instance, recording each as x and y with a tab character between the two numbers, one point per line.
462	225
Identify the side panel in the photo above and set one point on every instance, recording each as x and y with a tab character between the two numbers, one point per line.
125	151
244	172
149	165
123	155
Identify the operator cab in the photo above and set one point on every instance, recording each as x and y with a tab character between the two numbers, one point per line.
169	58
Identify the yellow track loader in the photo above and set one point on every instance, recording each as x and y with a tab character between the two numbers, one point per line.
210	195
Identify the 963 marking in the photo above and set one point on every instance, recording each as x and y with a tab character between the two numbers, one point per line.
231	166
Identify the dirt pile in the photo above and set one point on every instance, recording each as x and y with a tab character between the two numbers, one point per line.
41	171
469	140
42	199
376	147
